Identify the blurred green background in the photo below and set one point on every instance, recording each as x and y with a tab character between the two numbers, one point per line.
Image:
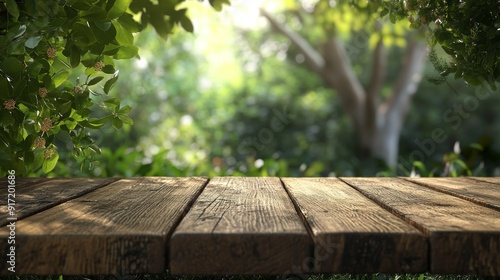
205	103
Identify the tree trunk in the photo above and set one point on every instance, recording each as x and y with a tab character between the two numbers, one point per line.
377	124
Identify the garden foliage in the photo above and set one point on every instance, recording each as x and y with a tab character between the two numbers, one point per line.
57	63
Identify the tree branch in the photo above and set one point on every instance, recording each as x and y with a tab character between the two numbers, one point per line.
313	58
374	89
378	72
408	79
342	78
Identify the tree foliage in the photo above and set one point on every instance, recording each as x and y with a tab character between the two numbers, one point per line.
45	46
468	31
220	120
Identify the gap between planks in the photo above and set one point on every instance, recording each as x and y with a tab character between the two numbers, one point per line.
33	196
464	237
240	225
119	229
352	233
480	192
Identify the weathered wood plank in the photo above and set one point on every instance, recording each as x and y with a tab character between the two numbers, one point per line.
23	181
354	234
492	180
33	196
464	237
240	226
121	228
482	193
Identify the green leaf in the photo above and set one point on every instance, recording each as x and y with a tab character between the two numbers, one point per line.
94	13
111	49
420	165
217	4
34	68
41	22
38	160
384	12
127	52
444	37
70	124
29	156
393	17
87	140
128	22
462	164
49	164
95	149
112	103
90	125
19	86
85	112
476	146
90	71
33	42
123	37
74	58
163	27
45	65
16	48
81	5
6	118
11	66
60	77
54	130
65	107
103	36
31	7
101	121
125	110
12	8
104	25
82	35
472	79
450	157
187	24
97	48
95	80
126	119
117	123
15	32
4	88
64	136
108	69
315	169
119	7
110	83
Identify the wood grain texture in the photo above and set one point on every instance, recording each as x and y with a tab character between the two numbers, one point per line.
482	193
240	226
354	234
464	237
33	196
492	180
121	228
23	181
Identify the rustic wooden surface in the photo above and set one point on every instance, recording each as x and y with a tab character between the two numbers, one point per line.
121	228
493	180
33	196
234	225
352	233
240	226
464	237
480	192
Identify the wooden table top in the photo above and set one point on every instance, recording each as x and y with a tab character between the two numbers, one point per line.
251	225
